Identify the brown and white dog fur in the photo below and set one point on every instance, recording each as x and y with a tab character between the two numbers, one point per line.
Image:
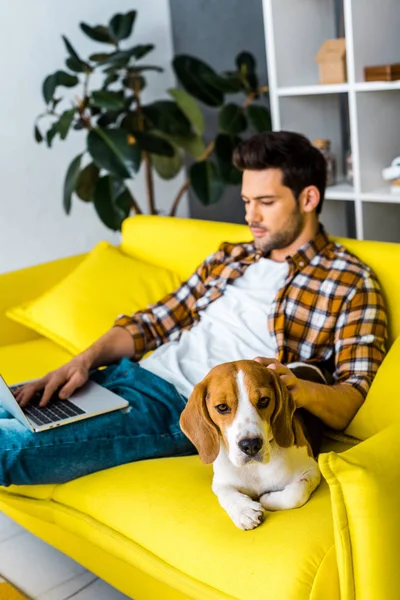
242	418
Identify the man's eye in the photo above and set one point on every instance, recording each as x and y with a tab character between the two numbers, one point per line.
263	402
223	408
267	203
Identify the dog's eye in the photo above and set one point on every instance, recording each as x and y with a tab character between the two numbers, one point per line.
223	408
263	402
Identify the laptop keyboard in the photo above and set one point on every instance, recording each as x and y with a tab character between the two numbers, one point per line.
56	410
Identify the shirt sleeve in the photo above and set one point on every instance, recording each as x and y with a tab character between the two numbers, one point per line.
361	335
164	321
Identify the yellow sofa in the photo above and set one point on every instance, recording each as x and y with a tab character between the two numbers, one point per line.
154	529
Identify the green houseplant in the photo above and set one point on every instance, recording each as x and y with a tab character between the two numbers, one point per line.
123	134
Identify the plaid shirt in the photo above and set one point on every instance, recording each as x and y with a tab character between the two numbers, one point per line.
329	312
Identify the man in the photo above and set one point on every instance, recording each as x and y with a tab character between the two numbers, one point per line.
291	296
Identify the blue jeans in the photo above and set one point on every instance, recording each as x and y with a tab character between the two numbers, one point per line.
148	428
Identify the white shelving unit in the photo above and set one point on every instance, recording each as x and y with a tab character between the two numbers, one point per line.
294	32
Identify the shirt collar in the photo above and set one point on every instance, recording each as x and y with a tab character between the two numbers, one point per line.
304	255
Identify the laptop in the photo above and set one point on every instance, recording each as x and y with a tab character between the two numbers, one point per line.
88	401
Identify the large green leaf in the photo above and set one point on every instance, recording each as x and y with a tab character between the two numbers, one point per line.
167	117
70	49
65	122
108	99
78	66
259	117
86	182
190	108
224	147
113	150
98	33
70	182
49	87
193	73
246	64
51	134
165	166
206	183
56	79
192	144
38	135
153	143
121	25
230	84
121	58
231	119
112	201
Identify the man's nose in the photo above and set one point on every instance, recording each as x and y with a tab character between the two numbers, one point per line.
252	213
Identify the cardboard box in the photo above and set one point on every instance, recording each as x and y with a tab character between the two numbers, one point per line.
331	58
382	73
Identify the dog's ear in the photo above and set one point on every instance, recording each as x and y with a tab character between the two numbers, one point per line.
196	424
282	417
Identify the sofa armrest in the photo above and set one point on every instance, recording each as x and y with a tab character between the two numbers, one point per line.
27	284
365	492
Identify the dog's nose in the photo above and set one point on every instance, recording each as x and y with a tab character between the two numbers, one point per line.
250	446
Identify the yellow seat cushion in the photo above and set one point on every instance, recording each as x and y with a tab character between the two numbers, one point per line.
382	404
365	491
84	305
167	508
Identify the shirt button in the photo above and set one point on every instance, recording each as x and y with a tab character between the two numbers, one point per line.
301	263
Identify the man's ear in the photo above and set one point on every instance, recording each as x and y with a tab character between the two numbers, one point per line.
196	424
310	198
282	417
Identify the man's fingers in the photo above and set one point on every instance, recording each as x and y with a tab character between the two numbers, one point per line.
76	381
265	361
49	390
24	394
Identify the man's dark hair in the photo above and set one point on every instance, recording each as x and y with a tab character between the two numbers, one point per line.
300	162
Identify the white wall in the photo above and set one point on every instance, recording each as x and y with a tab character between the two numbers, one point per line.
33	225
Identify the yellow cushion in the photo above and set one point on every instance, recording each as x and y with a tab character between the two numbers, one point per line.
382	404
365	491
161	514
84	305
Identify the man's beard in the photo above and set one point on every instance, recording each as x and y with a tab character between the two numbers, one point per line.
281	239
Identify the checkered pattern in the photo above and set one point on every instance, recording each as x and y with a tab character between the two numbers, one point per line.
330	311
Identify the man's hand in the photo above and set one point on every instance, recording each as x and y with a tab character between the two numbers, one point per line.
67	379
295	385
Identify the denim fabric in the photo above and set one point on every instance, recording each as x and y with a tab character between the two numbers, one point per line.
148	428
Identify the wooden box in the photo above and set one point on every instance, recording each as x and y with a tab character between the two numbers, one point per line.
331	58
382	73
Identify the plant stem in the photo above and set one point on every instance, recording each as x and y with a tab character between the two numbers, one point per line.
149	183
185	186
135	206
146	157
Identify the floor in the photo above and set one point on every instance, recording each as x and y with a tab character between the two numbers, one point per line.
43	573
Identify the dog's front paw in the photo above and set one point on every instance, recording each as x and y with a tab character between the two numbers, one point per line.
246	514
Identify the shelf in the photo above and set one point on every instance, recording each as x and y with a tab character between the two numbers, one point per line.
377	86
382	194
340	191
313	90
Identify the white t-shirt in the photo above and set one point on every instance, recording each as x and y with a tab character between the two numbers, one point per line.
233	327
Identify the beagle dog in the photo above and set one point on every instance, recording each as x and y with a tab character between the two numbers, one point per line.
242	418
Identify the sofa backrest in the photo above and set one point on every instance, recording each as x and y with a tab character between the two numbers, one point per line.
182	244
